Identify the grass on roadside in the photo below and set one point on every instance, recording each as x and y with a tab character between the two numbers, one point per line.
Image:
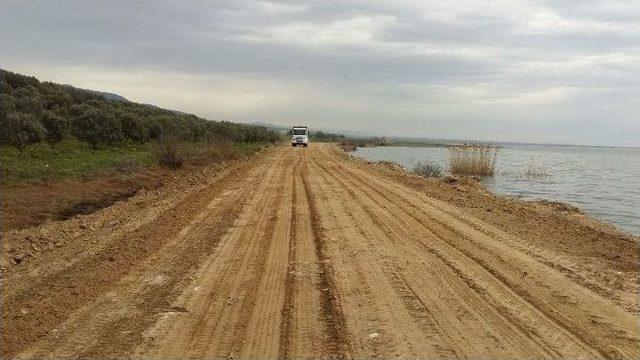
72	158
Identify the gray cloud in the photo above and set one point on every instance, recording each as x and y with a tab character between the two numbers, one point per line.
523	71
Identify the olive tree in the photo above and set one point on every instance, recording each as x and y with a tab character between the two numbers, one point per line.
134	128
21	130
98	127
56	127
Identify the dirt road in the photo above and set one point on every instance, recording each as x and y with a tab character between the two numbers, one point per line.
302	253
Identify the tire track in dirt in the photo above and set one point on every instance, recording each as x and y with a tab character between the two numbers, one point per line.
374	229
60	294
379	321
441	335
95	238
261	337
198	243
367	202
626	340
223	294
332	313
115	323
506	309
287	323
219	333
450	229
309	333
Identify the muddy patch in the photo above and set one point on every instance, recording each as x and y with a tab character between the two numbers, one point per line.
87	207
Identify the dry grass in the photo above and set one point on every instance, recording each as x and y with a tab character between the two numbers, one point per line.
212	153
472	159
170	155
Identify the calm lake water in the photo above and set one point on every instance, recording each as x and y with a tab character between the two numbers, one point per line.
603	181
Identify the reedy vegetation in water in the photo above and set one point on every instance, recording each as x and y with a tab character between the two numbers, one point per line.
472	159
536	170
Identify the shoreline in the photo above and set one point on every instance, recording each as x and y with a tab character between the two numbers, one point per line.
477	183
540	175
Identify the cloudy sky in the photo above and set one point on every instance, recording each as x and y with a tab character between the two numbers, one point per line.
564	71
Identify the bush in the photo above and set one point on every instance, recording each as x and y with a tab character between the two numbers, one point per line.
154	129
472	159
170	156
134	128
7	105
426	169
56	127
21	130
98	127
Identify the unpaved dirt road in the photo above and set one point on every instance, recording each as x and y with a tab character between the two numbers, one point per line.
302	253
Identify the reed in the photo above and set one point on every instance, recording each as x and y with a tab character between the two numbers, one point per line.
536	170
472	159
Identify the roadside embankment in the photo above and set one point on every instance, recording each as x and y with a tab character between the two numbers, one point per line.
45	183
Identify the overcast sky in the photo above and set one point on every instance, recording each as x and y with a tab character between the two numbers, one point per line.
564	71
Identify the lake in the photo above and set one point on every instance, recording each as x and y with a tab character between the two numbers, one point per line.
604	181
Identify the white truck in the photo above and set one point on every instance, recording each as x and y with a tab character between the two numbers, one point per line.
300	136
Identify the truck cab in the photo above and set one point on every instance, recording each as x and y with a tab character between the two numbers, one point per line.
300	136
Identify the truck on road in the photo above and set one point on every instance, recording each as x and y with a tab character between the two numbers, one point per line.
300	136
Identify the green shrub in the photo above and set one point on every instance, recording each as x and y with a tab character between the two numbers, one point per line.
7	106
21	130
56	127
134	128
154	129
98	127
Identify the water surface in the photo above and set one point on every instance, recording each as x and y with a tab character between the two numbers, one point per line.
604	181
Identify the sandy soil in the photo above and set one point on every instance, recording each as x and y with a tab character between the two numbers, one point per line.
307	253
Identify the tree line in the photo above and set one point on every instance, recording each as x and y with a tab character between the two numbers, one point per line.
32	111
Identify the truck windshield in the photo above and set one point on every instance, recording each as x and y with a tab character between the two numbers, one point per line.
299	132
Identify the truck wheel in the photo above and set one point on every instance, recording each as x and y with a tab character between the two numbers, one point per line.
305	145
294	145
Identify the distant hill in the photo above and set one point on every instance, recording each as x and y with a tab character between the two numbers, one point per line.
116	97
106	95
